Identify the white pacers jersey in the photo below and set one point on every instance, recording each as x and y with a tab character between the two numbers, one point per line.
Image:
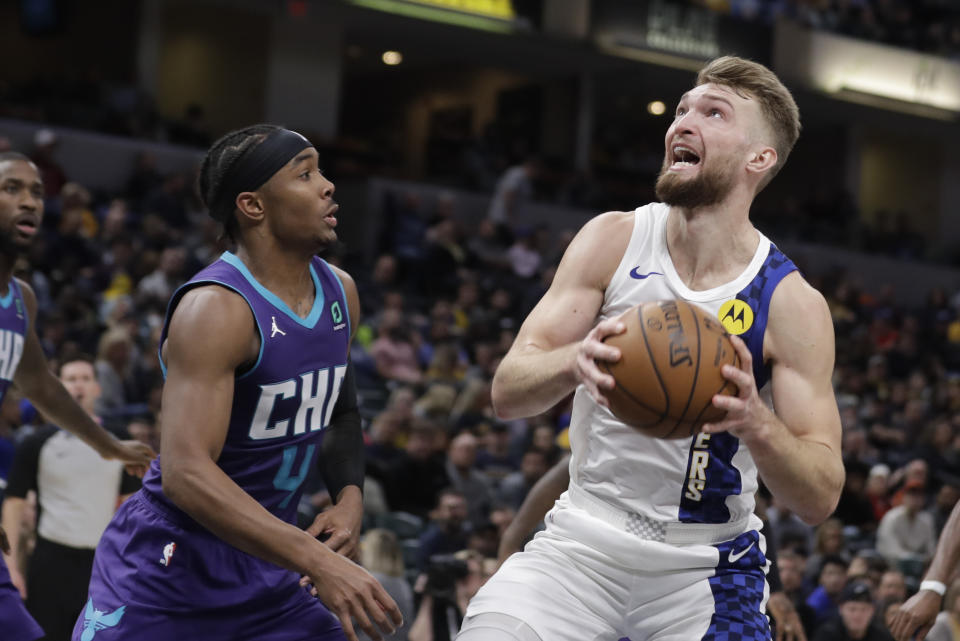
700	479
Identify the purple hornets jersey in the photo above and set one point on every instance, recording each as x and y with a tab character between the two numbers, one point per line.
14	620
158	574
13	330
283	402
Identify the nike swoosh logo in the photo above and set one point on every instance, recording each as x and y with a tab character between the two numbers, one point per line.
733	558
635	274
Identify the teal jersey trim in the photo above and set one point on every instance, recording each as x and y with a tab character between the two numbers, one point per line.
315	312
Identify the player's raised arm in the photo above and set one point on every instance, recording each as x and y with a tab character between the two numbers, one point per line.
797	450
550	357
212	334
34	378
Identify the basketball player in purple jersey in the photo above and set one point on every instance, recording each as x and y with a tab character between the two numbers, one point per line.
23	364
255	350
656	540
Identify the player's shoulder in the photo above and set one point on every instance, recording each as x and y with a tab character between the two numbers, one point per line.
601	230
27	291
344	276
795	296
212	304
799	312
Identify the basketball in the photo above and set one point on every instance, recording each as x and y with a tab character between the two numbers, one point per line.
669	369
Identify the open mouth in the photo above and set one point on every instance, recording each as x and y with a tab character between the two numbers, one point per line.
331	215
683	156
27	225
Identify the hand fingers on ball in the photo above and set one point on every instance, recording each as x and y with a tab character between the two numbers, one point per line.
742	379
601	352
609	327
746	358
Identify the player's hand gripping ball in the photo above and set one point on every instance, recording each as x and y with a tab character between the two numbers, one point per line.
669	369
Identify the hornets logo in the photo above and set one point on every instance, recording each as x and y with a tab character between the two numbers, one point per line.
735	316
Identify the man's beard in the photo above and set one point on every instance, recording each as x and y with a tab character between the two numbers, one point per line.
709	187
9	246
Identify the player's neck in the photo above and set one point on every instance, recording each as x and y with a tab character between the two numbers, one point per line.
284	273
710	247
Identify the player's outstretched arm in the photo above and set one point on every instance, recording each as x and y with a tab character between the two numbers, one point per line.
538	502
34	378
211	334
797	450
557	345
918	613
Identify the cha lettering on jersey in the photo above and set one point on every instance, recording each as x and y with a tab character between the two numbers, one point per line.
317	392
697	478
11	349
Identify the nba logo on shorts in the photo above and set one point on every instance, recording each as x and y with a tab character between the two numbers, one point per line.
168	551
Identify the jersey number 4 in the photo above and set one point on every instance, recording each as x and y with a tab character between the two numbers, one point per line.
285	480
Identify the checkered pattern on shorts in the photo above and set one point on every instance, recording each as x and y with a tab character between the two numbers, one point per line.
645	528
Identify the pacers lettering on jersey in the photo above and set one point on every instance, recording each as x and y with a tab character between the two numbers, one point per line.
318	392
11	349
697	479
679	350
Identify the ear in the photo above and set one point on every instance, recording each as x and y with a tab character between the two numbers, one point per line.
250	206
761	160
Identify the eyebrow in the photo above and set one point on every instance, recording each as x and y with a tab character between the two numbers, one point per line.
304	156
709	96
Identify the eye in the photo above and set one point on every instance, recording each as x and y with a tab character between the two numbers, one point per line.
680	112
10	189
305	175
715	113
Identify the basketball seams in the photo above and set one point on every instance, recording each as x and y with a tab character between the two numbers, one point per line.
653	363
633	398
696	373
723	386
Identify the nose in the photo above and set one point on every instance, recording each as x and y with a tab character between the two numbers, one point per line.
29	202
327	188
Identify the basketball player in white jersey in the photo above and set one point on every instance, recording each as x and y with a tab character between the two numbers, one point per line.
656	540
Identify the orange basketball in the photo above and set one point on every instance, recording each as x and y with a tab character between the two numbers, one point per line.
669	369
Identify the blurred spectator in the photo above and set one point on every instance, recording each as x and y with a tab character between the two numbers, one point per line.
876	490
829	542
514	488
448	531
791	568
416	478
393	350
45	144
159	286
514	188
830	581
464	477
906	536
495	459
892	586
113	369
381	555
856	618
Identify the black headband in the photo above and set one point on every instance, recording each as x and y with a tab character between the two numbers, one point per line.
257	166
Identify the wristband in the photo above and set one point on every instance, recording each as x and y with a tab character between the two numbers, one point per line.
934	586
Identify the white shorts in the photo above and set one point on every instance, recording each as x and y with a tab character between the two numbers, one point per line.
584	579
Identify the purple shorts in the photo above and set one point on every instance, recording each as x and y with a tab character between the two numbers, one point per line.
15	621
157	578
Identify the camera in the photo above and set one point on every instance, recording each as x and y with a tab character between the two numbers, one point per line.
443	572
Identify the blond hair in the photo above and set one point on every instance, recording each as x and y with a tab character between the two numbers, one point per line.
752	80
380	552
